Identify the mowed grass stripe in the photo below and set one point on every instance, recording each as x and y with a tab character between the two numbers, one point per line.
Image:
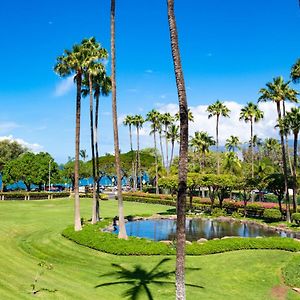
30	232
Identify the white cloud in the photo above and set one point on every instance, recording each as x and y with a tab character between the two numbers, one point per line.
231	126
64	87
8	126
33	147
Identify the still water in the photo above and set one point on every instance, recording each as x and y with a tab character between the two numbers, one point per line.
165	229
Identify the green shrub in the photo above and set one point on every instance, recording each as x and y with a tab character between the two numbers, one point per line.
92	237
291	272
218	212
296	218
272	215
236	215
32	195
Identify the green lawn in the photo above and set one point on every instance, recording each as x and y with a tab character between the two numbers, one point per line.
30	233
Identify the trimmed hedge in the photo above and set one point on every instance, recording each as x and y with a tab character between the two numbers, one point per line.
296	218
91	236
90	195
291	272
32	195
272	215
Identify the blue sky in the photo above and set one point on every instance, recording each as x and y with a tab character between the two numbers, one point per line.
230	49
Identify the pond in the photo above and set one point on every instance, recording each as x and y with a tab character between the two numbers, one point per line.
165	229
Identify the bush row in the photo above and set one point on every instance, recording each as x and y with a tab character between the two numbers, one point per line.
92	237
291	272
90	195
32	195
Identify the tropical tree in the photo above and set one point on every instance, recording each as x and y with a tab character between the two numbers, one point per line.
251	113
166	120
270	147
153	117
292	120
218	109
138	123
183	154
173	136
232	163
295	72
129	121
122	229
277	92
190	116
75	62
232	143
201	143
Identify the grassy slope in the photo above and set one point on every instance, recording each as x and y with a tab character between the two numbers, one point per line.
30	233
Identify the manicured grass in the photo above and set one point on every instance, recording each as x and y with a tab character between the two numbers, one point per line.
30	232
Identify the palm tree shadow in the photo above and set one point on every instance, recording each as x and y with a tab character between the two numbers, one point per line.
139	278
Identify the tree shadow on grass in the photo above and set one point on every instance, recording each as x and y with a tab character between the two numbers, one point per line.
139	278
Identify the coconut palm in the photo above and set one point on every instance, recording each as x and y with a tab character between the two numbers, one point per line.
232	143
83	154
190	116
153	117
173	136
74	62
183	154
201	143
232	163
251	113
295	72
129	121
122	229
218	109
277	92
166	121
138	123
102	86
292	121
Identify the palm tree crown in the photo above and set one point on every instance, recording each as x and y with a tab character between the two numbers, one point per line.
295	72
218	109
251	113
232	143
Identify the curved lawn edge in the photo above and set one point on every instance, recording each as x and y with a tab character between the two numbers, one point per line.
291	272
91	236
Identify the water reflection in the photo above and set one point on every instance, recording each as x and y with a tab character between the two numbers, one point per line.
165	229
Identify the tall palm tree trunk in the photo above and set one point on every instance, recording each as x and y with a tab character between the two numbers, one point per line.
156	163
161	150
285	172
217	140
295	172
139	173
94	210
287	141
183	155
251	145
122	229
97	156
132	159
172	152
77	219
167	150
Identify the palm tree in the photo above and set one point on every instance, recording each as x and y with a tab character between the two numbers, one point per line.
232	143
167	120
270	146
153	117
295	72
201	143
251	113
277	92
292	121
183	154
102	86
190	116
129	121
173	136
75	62
218	109
83	154
232	163
122	229
160	131
138	123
